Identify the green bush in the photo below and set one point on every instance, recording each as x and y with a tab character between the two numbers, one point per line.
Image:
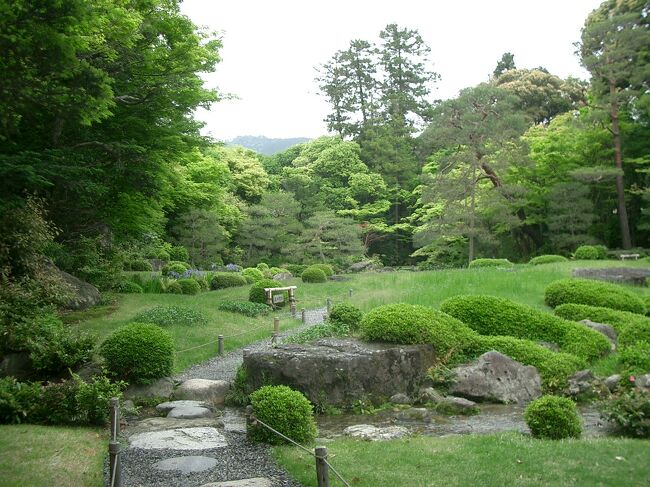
129	287
174	266
632	334
140	265
553	418
326	268
17	400
139	353
284	410
172	316
616	319
547	259
174	287
635	359
257	294
313	274
262	266
163	255
189	286
245	308
223	280
252	275
179	253
412	324
630	412
153	285
490	315
202	282
273	271
479	263
590	252
295	269
347	314
593	293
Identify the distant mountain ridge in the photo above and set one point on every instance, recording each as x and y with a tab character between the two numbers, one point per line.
265	145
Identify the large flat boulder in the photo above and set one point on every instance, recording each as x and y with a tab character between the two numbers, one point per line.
201	438
621	275
84	294
495	377
341	371
203	390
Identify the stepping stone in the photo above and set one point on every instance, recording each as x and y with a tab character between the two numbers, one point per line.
189	412
186	465
159	424
253	482
203	390
165	407
234	421
373	433
179	439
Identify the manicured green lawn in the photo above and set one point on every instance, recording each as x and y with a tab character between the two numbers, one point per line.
491	460
35	456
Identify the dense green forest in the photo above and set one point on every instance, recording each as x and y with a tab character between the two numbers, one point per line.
102	163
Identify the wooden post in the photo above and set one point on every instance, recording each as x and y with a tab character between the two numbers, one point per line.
115	469
274	339
220	344
350	293
303	312
276	325
329	305
114	414
269	298
322	471
292	303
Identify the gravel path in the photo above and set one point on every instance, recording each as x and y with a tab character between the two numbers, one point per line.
224	368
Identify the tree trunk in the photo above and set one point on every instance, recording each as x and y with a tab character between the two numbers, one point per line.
472	211
618	157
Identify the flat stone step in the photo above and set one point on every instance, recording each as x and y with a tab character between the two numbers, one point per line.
179	439
234	421
189	412
252	482
160	424
165	407
203	390
186	465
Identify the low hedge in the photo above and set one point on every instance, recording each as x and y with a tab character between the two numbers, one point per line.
252	275
257	294
547	259
616	319
346	314
490	315
223	280
245	308
480	263
313	274
593	293
553	418
189	286
128	287
172	315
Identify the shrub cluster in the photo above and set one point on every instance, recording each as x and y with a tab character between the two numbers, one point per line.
139	353
553	417
222	280
284	410
635	359
630	412
346	314
262	266
252	274
129	287
174	287
175	266
547	259
257	294
490	315
590	252
172	315
479	263
245	308
139	265
295	269
189	286
273	271
163	255
313	274
179	253
326	268
593	293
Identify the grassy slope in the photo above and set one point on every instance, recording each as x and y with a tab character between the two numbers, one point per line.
503	459
38	456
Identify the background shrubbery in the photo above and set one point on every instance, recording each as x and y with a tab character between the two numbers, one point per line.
480	263
547	259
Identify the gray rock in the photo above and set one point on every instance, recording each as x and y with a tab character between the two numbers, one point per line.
607	330
252	482
415	414
386	269
345	370
459	403
400	398
234	421
84	295
612	382
186	465
627	275
165	407
18	365
203	390
157	264
429	394
127	408
366	265
495	377
202	438
374	433
189	412
283	276
581	382
162	388
643	382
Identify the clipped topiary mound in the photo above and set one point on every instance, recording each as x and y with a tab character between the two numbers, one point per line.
262	266
547	259
616	319
590	252
172	315
173	287
636	358
326	268
480	263
189	286
284	410
251	274
313	274
128	287
163	255
631	335
139	353
411	324
257	294
490	315
592	293
553	418
346	314
222	280
176	267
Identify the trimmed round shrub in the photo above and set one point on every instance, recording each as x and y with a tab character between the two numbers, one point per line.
189	286
262	266
593	293
272	271
547	259
128	287
139	353
346	314
616	319
180	253
284	410
412	324
480	263
252	274
172	315
175	266
636	358
163	255
257	294
174	288
633	334
490	315
313	274
326	268
141	265
222	280
589	252
553	418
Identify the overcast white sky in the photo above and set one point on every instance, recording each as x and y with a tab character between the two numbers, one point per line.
271	48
